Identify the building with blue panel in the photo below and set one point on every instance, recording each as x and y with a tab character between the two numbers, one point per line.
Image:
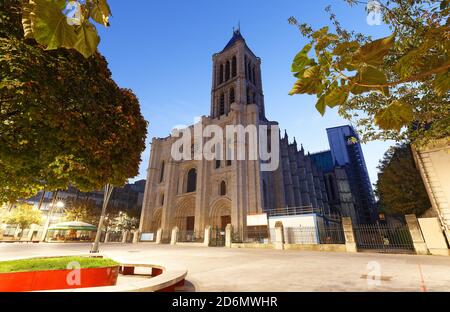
346	153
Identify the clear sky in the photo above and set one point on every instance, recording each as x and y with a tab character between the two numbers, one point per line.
163	49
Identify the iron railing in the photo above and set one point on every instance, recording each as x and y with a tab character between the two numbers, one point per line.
314	235
289	211
332	234
217	237
252	235
115	237
190	236
383	238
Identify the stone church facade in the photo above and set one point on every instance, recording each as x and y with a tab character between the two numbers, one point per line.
194	194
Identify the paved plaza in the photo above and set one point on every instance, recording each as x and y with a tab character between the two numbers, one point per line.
223	269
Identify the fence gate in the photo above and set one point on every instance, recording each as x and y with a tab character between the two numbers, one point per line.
384	238
217	237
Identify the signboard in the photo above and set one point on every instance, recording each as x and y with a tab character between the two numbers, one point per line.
257	220
147	237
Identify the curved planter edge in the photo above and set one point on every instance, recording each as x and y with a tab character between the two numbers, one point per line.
58	279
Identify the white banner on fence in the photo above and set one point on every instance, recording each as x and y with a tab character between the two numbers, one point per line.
257	220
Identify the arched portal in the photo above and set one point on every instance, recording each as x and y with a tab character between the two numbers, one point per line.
220	214
156	220
185	214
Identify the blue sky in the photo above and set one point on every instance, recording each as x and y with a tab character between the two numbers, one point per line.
162	50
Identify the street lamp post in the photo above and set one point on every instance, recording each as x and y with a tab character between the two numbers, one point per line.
108	190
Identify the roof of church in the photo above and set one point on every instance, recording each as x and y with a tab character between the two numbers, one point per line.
236	37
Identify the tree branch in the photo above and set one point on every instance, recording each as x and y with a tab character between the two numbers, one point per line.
420	76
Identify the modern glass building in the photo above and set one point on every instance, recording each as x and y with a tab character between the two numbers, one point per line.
346	152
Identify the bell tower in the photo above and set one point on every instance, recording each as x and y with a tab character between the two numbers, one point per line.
236	78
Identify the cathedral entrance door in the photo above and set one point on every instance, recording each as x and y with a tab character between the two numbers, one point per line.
190	222
225	220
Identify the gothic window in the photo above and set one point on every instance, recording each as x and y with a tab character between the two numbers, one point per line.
223	188
161	200
254	98
250	72
249	96
192	151
192	181
161	177
234	67
221	74
227	71
222	105
218	151
254	75
232	96
229	152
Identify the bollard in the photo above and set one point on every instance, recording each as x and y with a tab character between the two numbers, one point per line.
207	235
279	235
350	243
228	231
174	236
159	236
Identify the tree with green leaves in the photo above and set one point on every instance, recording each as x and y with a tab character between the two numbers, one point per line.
399	187
23	215
63	120
124	222
85	211
392	88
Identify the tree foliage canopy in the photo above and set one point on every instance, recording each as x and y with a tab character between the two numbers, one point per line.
390	84
63	120
399	186
24	216
116	218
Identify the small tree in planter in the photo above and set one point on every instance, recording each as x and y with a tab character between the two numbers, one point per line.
24	216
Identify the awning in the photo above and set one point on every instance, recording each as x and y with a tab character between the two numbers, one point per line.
74	225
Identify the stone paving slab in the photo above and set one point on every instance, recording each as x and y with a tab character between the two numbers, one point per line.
223	269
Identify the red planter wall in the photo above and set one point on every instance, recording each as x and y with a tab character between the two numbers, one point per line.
57	279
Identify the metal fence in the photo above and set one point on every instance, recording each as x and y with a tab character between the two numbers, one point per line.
384	238
314	235
190	236
217	237
260	235
332	234
290	211
115	237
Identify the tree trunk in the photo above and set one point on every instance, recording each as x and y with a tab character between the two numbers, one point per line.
41	201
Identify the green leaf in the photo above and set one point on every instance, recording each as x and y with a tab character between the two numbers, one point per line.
87	39
369	76
306	85
312	72
100	12
336	96
397	115
301	59
321	106
346	47
442	84
50	26
373	53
